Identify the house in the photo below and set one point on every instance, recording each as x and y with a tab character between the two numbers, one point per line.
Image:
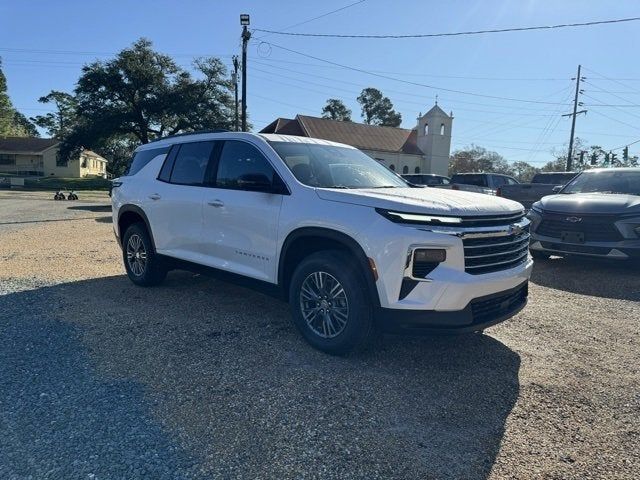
423	149
30	156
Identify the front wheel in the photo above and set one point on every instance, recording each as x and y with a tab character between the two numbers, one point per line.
142	264
330	304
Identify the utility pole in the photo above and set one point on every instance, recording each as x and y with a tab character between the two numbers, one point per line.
234	78
246	35
573	119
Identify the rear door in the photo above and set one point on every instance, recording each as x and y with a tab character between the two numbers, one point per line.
240	230
175	207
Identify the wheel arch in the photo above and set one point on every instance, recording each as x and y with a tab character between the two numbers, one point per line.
308	240
129	214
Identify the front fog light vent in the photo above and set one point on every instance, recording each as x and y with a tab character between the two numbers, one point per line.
425	260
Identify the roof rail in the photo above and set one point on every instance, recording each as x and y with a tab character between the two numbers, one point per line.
217	130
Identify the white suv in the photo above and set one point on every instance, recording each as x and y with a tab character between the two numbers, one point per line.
350	245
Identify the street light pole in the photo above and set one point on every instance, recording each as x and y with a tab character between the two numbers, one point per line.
235	88
246	35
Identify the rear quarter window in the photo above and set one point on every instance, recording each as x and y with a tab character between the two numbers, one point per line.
143	157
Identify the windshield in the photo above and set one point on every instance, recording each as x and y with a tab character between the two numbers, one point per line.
620	181
327	166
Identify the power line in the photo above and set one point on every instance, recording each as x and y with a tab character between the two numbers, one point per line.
411	94
413	74
314	18
451	34
355	69
353	92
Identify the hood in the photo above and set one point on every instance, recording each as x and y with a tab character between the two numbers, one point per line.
423	200
594	203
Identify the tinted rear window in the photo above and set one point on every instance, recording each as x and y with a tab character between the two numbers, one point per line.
143	157
553	178
478	180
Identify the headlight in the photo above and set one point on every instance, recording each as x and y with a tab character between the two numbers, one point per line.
536	208
418	218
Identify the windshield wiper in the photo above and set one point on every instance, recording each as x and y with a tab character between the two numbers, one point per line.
384	186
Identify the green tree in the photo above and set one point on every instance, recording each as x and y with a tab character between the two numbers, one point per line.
378	109
478	159
336	110
12	122
60	123
143	94
523	171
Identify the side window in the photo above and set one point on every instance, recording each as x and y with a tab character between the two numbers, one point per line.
511	181
238	160
498	181
167	166
143	157
191	163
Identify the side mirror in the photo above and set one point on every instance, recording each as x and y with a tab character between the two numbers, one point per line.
255	182
557	188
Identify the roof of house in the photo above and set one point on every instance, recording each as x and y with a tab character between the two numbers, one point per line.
360	135
26	144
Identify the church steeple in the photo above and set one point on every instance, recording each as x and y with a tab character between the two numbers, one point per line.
434	139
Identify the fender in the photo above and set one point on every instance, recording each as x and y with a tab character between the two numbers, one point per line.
352	246
129	207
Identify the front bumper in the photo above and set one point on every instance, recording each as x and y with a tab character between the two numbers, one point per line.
480	313
623	250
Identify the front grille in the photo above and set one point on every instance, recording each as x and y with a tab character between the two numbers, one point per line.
573	248
492	254
596	228
497	306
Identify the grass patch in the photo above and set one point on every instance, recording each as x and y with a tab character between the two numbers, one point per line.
56	183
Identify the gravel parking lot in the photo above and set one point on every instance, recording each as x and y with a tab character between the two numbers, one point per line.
100	379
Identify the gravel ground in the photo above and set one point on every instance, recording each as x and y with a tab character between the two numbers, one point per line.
201	379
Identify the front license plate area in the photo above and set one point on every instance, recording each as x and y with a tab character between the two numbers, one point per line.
572	237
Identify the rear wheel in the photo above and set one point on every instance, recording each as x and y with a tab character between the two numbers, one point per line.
142	264
538	255
330	304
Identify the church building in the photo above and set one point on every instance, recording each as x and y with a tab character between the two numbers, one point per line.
423	149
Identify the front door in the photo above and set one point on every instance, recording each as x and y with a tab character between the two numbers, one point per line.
240	224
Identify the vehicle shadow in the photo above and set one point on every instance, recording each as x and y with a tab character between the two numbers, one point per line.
91	208
589	276
130	374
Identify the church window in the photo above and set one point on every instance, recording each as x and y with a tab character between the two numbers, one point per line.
392	167
417	170
442	129
426	129
405	169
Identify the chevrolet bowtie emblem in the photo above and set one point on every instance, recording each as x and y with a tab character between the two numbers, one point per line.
515	229
573	219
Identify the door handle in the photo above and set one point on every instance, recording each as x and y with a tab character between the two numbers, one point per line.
216	203
154	196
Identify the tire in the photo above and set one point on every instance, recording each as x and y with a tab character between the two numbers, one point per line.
331	282
538	255
143	266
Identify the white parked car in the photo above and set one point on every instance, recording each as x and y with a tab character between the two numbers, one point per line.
350	245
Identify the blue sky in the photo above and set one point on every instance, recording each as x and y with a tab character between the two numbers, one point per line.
44	44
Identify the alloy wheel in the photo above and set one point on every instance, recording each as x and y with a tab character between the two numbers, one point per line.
324	304
136	255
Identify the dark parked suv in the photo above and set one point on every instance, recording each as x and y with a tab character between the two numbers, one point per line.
596	214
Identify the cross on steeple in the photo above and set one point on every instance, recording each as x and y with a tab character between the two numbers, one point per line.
436	99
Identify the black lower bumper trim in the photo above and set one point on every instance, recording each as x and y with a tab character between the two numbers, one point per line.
480	313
